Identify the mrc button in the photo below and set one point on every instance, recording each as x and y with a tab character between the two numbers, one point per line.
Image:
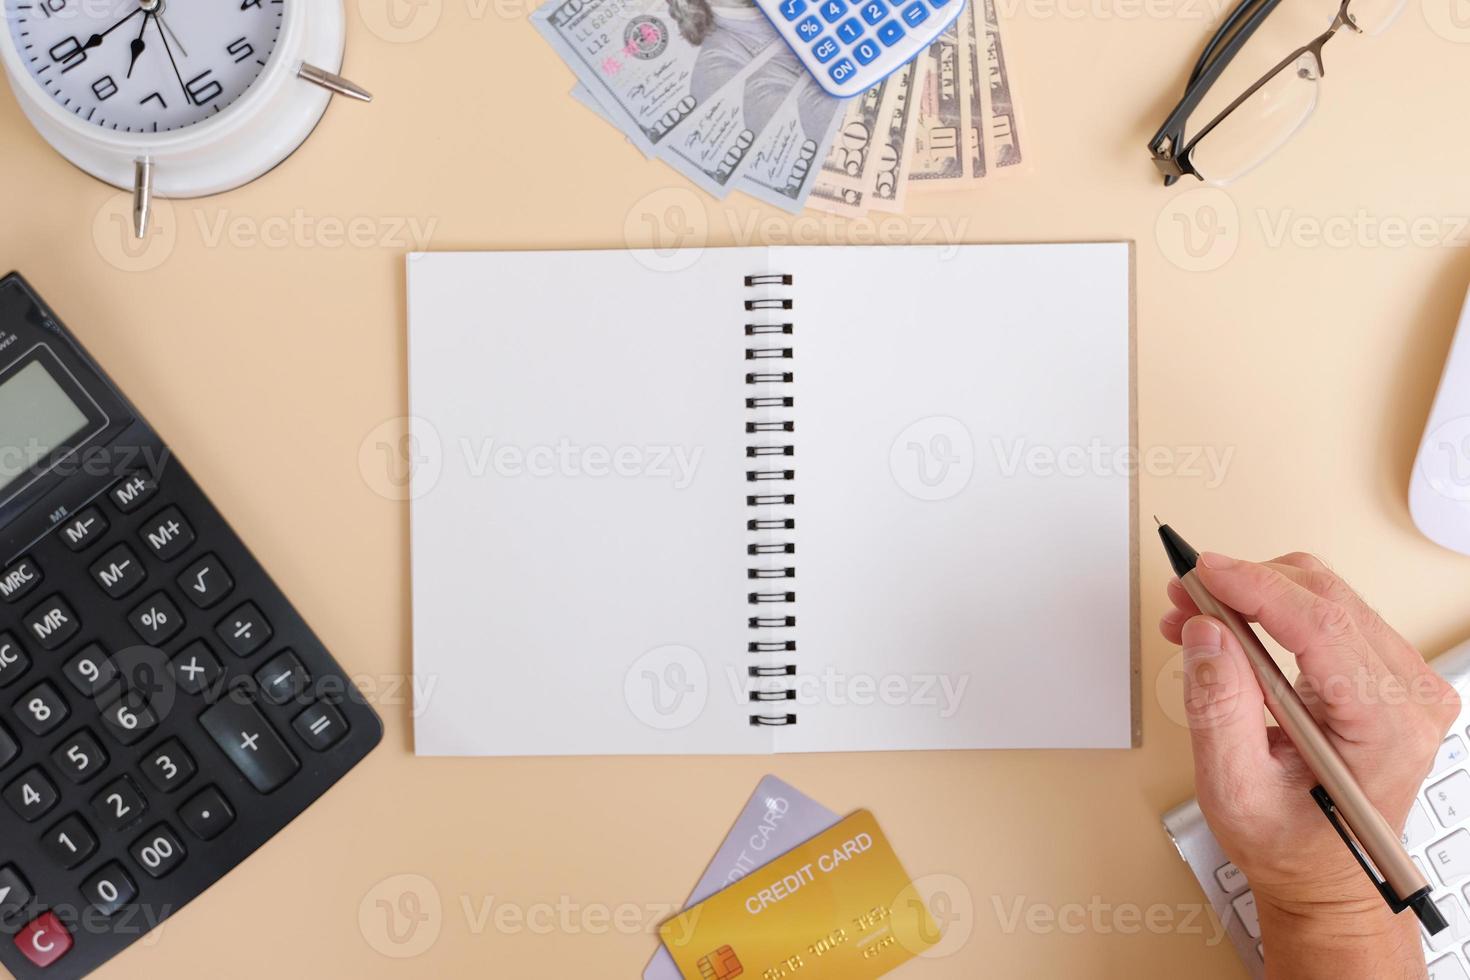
19	579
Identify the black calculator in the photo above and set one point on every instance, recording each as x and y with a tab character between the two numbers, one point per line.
164	711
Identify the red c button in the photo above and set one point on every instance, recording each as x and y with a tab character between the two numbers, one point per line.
44	940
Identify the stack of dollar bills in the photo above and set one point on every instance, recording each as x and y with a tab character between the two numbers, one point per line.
710	88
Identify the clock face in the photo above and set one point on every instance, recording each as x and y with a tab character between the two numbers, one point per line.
145	66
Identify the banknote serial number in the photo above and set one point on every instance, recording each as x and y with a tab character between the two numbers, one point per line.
866	923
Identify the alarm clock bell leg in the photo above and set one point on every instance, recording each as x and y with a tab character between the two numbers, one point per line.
333	83
142	196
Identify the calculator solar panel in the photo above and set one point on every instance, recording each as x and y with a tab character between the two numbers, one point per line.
164	710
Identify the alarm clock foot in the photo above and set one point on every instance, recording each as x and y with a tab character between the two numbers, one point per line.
334	83
142	196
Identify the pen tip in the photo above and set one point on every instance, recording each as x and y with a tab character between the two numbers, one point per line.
1157	521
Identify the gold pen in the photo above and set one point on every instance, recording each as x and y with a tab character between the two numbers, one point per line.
1375	845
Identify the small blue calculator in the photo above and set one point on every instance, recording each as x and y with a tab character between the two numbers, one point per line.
852	45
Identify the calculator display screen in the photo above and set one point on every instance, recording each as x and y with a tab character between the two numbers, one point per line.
37	416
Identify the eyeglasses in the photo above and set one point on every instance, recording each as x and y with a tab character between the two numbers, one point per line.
1260	120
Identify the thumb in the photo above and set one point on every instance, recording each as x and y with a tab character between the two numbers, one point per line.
1224	706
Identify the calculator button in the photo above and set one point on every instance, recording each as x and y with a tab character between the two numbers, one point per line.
841	71
120	804
825	50
157	620
249	741
809	29
82	531
206	582
133	492
207	814
44	940
283	679
52	623
873	11
90	672
109	889
32	795
129	719
169	766
9	748
195	668
41	709
70	842
158	852
119	572
792	9
80	757
13	660
867	51
936	4
832	10
15	894
245	630
891	33
915	14
320	726
850	30
167	534
19	579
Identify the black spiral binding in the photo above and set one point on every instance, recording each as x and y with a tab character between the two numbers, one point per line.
772	462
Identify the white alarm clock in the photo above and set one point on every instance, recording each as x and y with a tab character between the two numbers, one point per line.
182	98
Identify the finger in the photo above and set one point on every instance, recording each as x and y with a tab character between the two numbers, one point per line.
1180	597
1172	626
1224	705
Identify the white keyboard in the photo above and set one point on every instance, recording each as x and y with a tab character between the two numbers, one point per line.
1437	834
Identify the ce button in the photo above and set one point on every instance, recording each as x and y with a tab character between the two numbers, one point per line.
44	940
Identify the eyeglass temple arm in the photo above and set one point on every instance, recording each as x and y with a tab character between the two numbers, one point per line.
1223	46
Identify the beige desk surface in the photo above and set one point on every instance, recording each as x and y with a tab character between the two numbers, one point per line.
267	350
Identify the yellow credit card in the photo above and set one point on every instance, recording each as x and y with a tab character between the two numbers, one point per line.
838	906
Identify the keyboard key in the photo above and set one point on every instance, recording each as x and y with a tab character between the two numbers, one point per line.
41	709
133	492
1231	878
1451	753
320	726
207	814
206	582
119	572
79	758
169	766
1451	798
832	10
15	894
866	51
195	668
90	672
82	531
850	30
891	33
9	748
842	70
1450	857
1245	908
873	11
809	29
19	579
70	842
109	889
158	852
248	740
1447	939
1418	828
915	14
283	679
44	940
32	795
129	719
120	804
13	660
168	534
792	9
825	50
52	623
245	630
1448	968
157	620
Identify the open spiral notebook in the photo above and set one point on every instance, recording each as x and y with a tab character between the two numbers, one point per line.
757	500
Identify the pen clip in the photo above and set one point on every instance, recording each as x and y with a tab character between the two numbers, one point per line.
1425	909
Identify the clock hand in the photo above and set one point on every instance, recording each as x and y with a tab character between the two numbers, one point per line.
139	46
96	39
170	51
164	24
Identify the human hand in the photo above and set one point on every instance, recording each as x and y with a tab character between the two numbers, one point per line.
1384	710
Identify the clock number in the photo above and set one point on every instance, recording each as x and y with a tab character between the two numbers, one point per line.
202	89
240	49
245	4
68	52
104	88
155	95
49	7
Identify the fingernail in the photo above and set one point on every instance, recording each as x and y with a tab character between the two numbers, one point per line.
1201	638
1216	561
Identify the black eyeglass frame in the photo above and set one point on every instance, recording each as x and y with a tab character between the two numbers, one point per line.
1171	154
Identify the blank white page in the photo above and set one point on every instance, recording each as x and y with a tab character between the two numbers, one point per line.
578	511
964	541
